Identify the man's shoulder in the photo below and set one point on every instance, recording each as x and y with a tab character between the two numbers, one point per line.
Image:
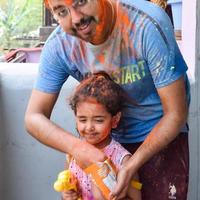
58	36
142	5
146	9
59	43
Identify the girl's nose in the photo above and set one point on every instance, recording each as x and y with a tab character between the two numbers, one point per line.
90	126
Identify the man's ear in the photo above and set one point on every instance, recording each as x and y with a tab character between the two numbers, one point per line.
115	119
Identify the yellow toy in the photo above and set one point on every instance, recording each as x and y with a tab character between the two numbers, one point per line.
137	185
66	181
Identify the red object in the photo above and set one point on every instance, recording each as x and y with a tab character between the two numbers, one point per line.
24	55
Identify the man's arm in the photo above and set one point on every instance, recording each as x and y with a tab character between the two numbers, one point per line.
38	124
173	98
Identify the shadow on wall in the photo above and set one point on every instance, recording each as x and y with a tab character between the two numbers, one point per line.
194	141
1	145
26	165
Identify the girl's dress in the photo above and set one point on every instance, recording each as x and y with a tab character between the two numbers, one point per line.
114	151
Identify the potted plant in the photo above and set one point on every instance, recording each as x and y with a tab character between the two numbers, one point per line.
176	7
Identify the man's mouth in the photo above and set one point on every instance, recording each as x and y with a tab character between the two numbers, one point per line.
84	24
84	28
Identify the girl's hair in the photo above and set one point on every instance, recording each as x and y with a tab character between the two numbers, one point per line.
102	88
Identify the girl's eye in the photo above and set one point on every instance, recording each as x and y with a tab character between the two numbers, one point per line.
82	120
99	120
63	12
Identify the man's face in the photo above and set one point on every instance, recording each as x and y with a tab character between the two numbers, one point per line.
80	18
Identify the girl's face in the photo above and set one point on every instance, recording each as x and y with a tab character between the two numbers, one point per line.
94	122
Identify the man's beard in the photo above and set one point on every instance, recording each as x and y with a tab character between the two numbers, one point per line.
100	34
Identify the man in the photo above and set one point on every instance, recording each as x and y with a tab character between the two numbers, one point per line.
134	42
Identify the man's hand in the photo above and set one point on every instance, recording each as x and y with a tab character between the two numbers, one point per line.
86	154
123	181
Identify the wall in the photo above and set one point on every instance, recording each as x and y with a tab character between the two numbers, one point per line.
28	168
190	50
1	143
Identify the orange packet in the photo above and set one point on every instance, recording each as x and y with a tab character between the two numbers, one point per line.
103	175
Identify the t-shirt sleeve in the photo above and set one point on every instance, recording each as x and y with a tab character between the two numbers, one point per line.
165	61
116	152
52	70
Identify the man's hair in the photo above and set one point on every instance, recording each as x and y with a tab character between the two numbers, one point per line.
46	3
103	89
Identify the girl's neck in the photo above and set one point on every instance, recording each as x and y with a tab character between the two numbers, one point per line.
103	143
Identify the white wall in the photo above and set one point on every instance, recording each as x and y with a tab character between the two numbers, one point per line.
188	43
1	151
188	48
28	168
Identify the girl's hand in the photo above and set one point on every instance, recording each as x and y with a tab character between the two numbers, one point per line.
70	195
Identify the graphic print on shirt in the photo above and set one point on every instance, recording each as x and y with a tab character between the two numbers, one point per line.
172	191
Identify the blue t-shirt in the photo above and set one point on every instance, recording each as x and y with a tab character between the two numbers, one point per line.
141	55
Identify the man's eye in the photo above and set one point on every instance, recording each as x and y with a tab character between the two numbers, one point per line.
81	2
63	12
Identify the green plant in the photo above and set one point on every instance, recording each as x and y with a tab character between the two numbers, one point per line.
18	18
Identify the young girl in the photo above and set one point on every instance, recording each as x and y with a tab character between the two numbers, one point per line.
96	103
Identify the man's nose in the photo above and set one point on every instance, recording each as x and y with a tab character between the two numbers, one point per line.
76	16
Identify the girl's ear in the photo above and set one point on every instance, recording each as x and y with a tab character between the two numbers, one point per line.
115	119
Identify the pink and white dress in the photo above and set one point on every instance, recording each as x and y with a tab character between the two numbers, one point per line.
114	151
